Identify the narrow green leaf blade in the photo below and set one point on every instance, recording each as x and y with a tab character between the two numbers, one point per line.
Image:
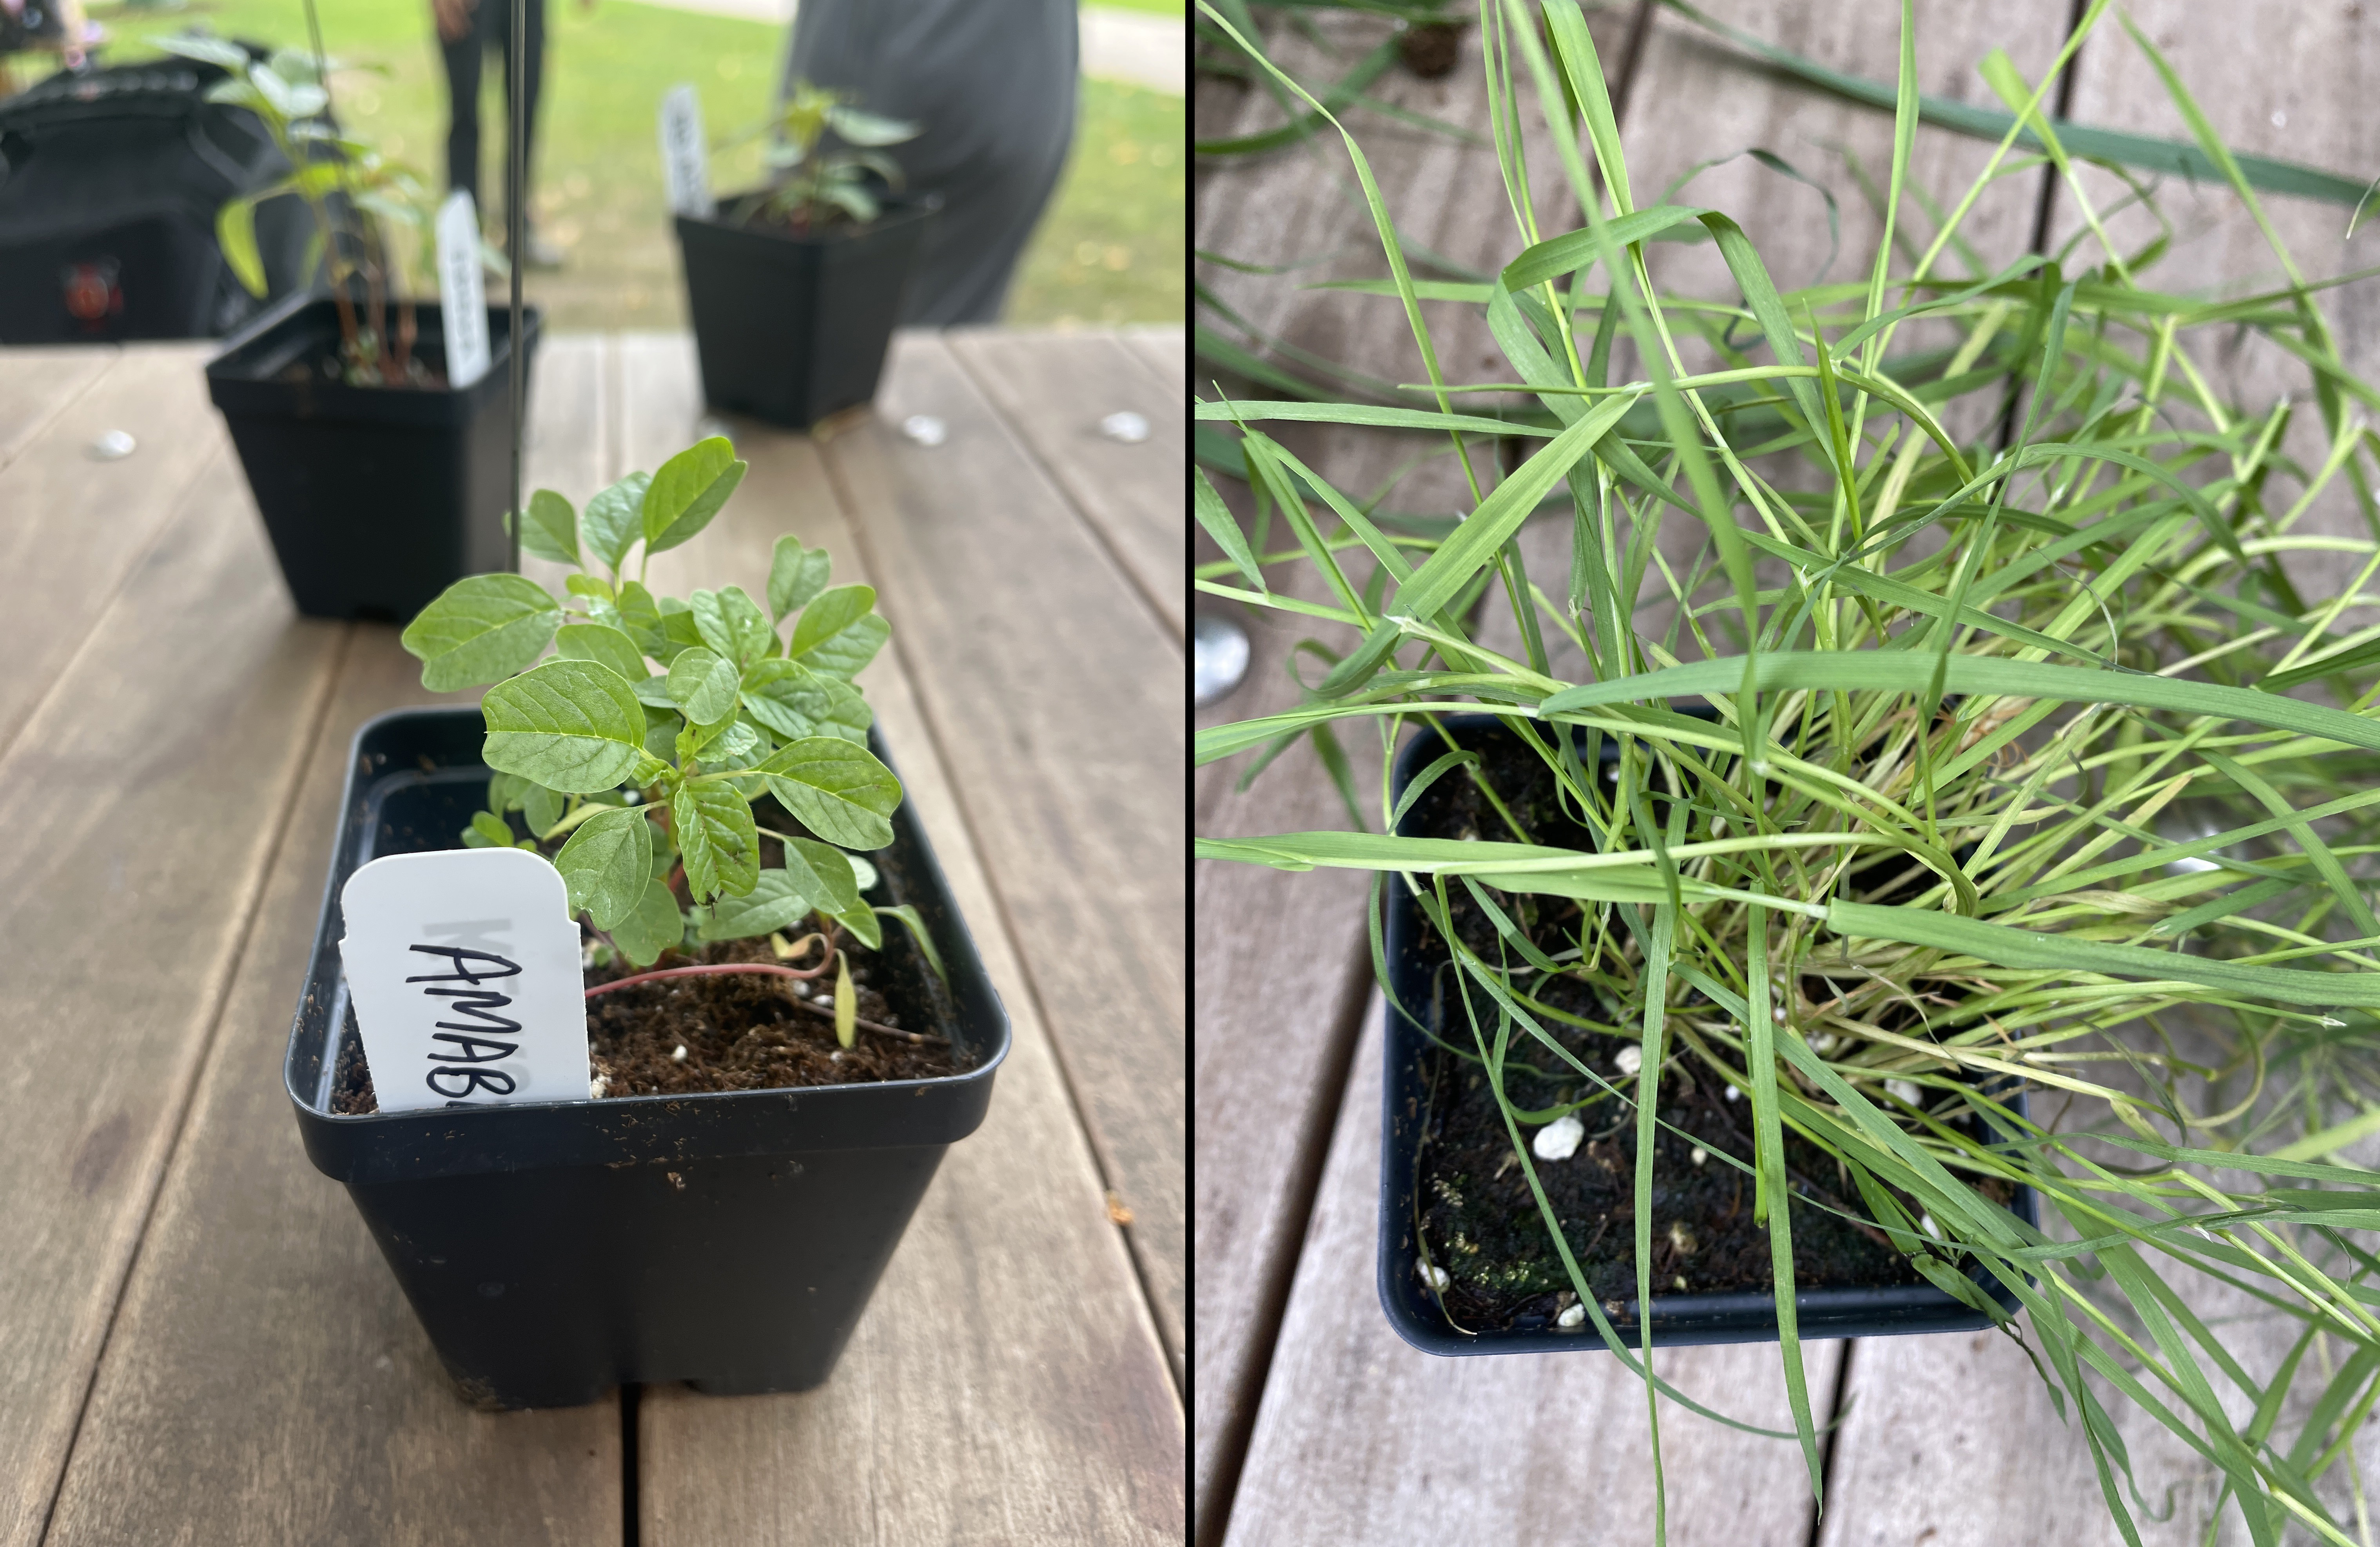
907	915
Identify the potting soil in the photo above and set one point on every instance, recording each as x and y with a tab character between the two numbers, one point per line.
1478	1220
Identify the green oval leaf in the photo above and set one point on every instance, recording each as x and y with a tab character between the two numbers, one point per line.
551	528
826	871
614	519
679	632
480	629
795	701
687	492
653	926
716	839
608	863
776	902
731	623
703	685
795	575
606	647
840	631
569	725
864	926
838	790
641	620
541	807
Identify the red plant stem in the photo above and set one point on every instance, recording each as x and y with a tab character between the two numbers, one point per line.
772	972
719	970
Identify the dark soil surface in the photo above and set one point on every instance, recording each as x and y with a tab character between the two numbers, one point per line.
747	1032
1478	1215
1430	49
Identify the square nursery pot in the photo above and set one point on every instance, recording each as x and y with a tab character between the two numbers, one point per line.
792	329
1678	1320
557	1249
376	497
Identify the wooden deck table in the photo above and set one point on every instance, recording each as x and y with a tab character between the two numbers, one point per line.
1314	1423
199	1342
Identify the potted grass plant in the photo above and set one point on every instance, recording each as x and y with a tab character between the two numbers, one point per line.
381	480
789	1022
1937	889
794	287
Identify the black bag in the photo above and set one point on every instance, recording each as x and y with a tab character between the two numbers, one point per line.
109	184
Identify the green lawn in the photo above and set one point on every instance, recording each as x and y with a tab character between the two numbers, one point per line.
1109	250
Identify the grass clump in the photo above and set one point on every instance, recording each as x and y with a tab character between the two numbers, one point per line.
2020	758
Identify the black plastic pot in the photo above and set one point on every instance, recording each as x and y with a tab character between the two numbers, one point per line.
110	179
1678	1320
792	329
555	1249
377	498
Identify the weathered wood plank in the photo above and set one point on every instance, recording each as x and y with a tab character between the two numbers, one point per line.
568	447
265	1380
1166	351
1055	389
77	526
2299	90
38	383
1364	1439
150	785
1953	1440
1006	1384
1301	208
1273	1043
1285	969
653	402
1057	701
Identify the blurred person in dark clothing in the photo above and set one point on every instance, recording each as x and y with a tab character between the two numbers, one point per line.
467	31
993	84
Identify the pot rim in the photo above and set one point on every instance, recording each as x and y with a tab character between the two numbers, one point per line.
357	788
1419	1316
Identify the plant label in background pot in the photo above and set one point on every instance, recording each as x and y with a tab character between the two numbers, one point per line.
462	295
681	154
466	972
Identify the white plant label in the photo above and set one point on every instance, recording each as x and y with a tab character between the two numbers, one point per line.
464	965
462	293
683	156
